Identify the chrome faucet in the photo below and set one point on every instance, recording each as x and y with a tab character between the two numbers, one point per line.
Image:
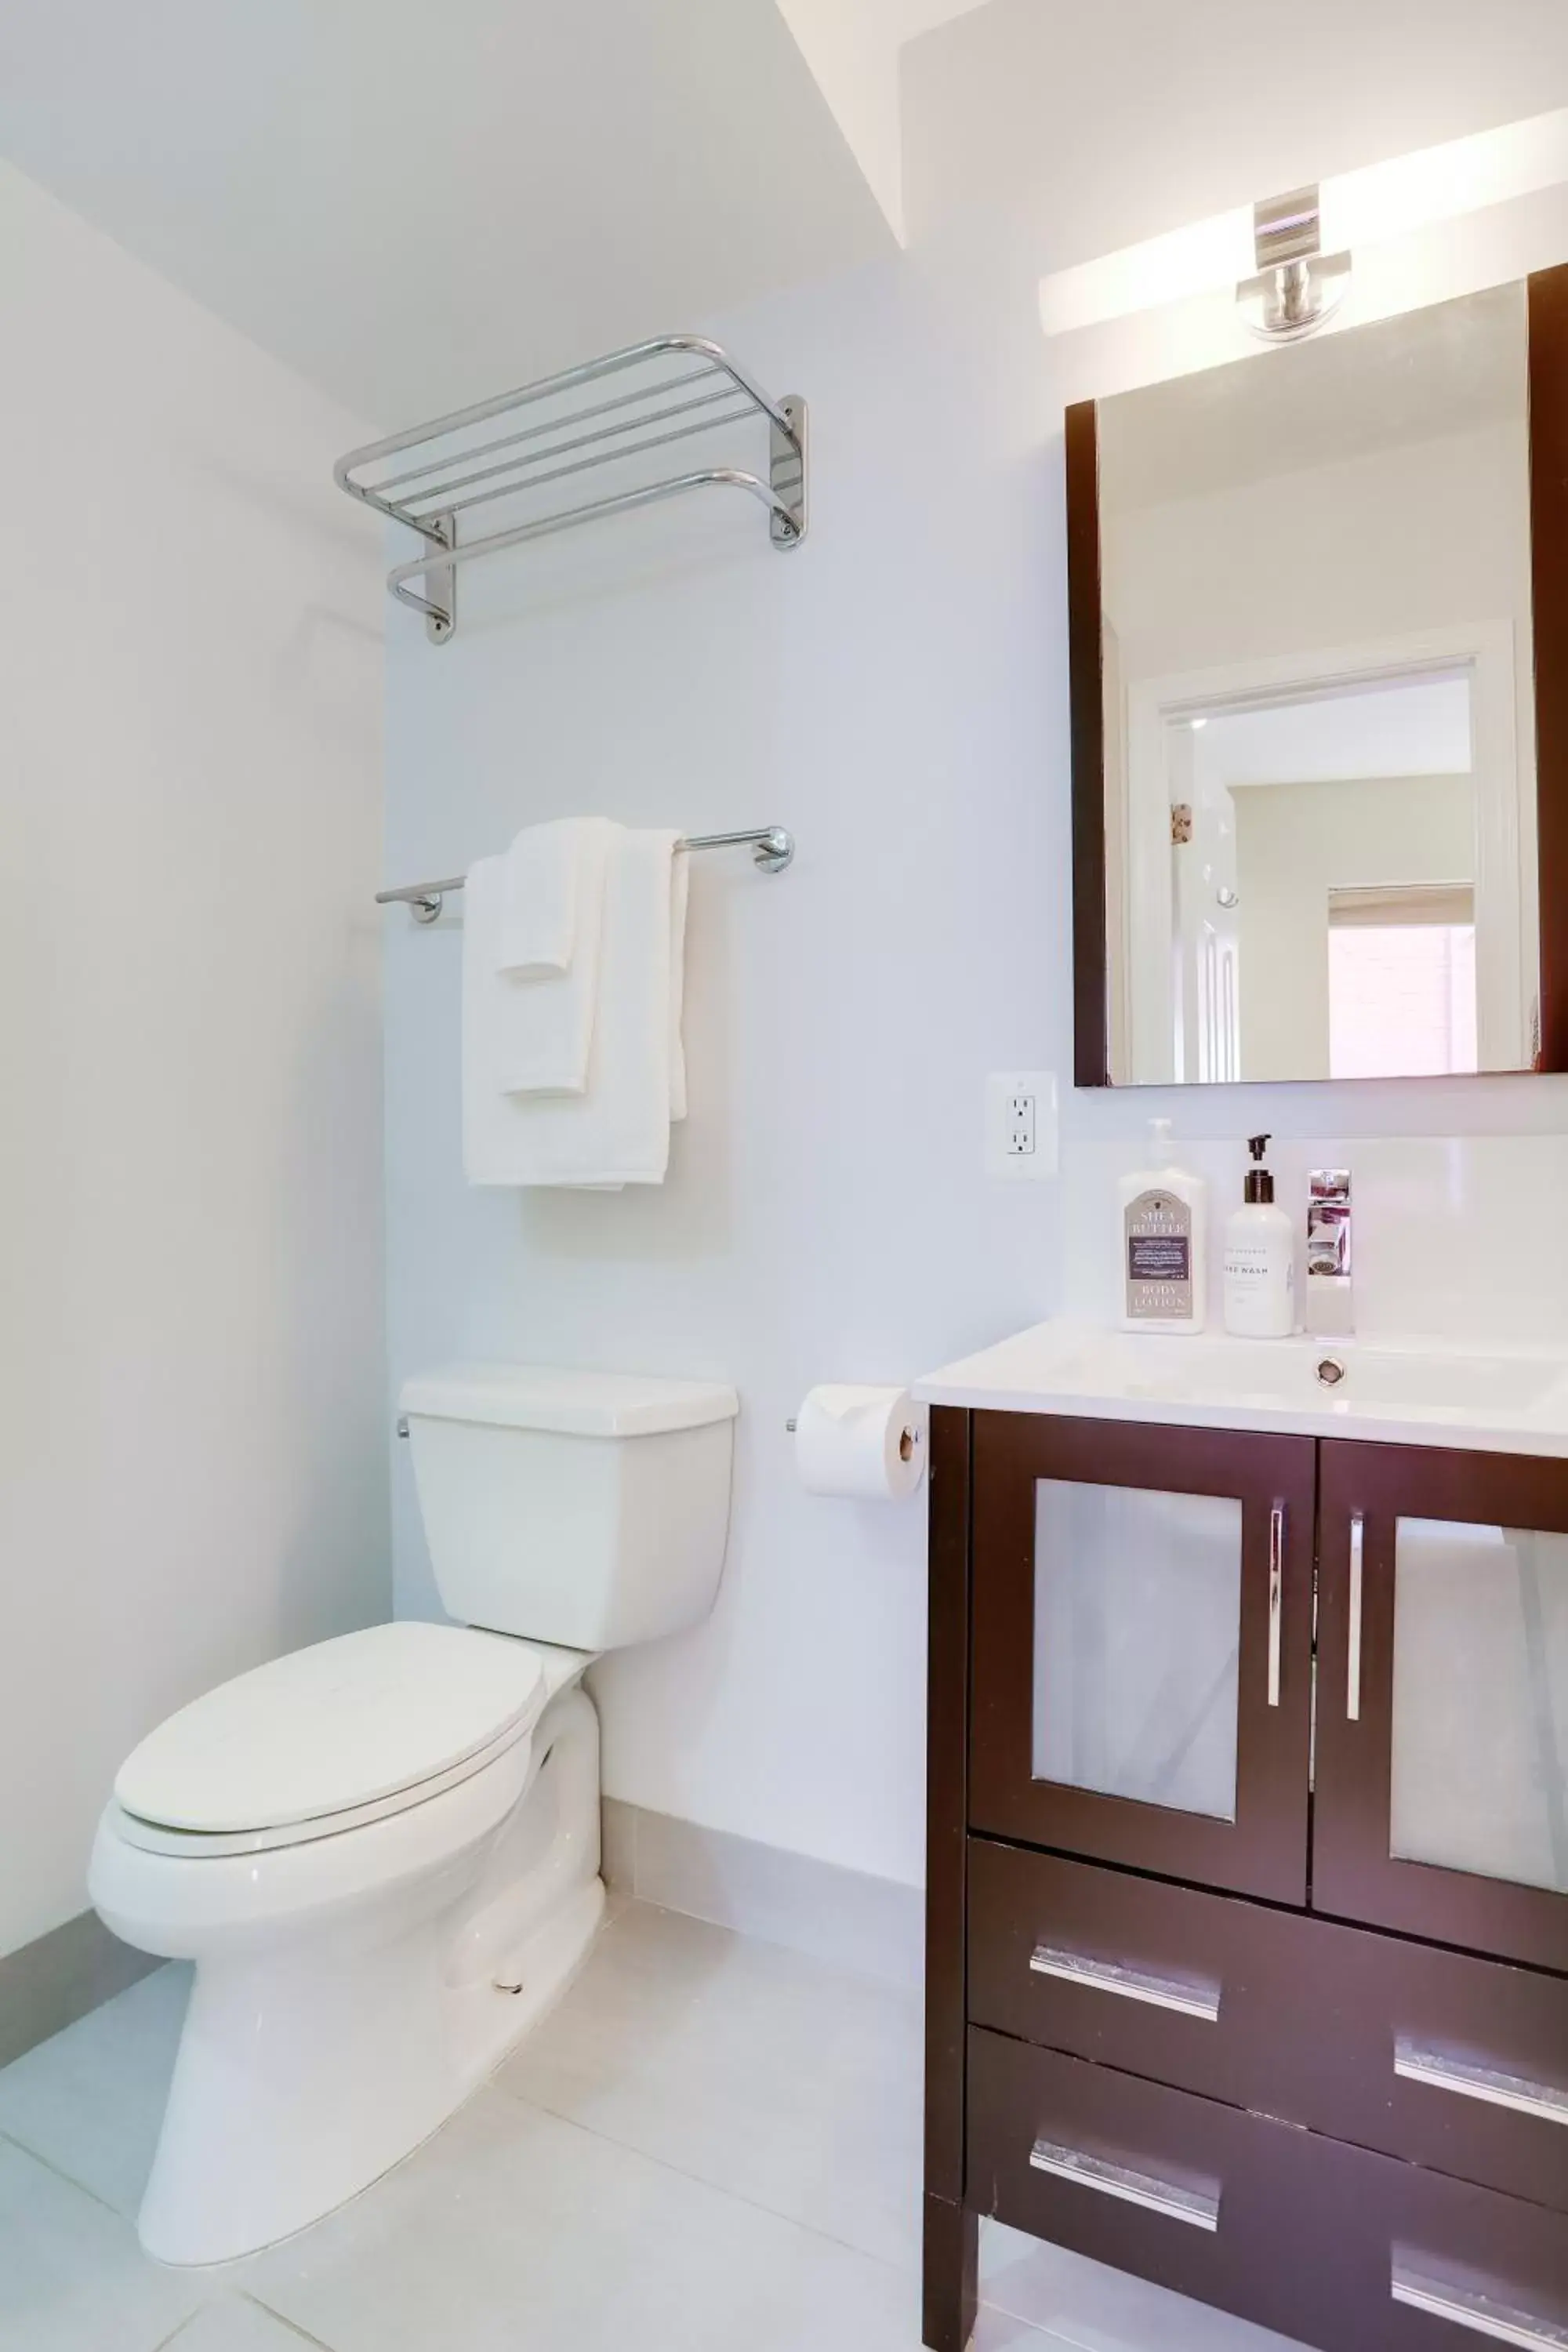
1331	1308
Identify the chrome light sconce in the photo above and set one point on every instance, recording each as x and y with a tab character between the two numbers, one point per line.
1298	286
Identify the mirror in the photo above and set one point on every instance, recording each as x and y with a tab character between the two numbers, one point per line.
1306	750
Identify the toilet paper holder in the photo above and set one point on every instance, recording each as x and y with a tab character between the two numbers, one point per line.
906	1443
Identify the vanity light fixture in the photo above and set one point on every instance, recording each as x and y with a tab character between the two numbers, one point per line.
1298	286
1372	206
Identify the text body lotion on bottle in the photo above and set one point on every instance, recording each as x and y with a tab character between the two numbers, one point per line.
1163	1218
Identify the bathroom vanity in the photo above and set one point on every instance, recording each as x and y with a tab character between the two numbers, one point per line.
1247	1964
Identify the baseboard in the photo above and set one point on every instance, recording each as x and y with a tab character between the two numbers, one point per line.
875	1926
56	1978
849	1918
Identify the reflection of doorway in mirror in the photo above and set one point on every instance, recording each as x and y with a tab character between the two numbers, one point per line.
1389	767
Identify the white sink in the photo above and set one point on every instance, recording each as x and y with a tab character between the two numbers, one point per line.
1494	1399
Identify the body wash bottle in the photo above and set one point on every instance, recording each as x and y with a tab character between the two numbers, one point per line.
1164	1215
1259	1259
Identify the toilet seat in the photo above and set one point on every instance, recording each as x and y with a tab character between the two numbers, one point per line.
202	1845
330	1737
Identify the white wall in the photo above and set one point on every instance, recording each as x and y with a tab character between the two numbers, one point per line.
887	690
191	1456
1103	124
896	691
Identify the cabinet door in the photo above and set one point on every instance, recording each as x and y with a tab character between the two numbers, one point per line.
1442	1743
1142	1646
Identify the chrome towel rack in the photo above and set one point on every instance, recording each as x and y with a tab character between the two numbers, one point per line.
682	382
772	847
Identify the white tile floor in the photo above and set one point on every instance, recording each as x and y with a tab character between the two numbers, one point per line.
713	2144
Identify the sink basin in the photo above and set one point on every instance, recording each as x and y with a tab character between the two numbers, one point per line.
1490	1398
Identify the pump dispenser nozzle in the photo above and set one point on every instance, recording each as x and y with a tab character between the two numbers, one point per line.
1259	1181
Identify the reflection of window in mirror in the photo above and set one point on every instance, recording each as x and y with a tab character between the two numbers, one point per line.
1402	980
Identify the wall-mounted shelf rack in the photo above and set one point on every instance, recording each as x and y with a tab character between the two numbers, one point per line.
675	388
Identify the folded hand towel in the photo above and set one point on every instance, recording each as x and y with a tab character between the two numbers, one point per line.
540	908
618	1130
544	1028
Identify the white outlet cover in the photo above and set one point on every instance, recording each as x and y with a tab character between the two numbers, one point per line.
1002	1087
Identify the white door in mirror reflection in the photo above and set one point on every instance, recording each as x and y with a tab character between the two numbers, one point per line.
1318	645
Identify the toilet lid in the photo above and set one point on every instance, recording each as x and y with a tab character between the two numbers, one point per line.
334	1727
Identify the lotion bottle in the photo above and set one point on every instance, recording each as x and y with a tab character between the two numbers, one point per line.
1164	1215
1259	1259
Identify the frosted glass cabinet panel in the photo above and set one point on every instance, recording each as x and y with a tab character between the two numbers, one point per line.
1441	1803
1137	1628
1480	1748
1142	1646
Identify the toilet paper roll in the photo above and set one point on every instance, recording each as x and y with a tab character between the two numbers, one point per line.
864	1442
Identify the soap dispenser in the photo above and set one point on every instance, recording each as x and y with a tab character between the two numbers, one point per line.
1259	1259
1162	1220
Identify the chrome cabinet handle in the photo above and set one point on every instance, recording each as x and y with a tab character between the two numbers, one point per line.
1482	2314
1469	2080
1276	1595
1190	2205
1352	1676
1132	1984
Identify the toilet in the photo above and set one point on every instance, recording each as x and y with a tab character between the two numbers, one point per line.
382	1853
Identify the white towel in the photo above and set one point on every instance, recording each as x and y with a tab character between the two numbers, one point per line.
544	887
543	1027
618	1130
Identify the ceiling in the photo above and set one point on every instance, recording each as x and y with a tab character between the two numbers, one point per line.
1415	727
415	205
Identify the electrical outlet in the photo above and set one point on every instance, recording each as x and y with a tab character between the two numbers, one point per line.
1021	1125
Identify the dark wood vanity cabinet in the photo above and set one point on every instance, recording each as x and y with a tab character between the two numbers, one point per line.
1247	1933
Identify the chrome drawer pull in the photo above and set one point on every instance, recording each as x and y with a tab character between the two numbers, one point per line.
1479	2312
1189	2205
1109	1976
1352	1691
1276	1595
1469	2081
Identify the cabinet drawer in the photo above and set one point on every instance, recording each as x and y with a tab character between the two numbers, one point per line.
1225	2207
1330	2245
1456	2063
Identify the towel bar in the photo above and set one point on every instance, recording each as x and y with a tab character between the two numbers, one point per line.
771	846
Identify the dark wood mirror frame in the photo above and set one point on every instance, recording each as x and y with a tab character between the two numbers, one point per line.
1548	323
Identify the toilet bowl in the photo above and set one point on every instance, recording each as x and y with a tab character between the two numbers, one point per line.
382	1853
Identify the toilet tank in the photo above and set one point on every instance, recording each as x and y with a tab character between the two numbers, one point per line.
589	1509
